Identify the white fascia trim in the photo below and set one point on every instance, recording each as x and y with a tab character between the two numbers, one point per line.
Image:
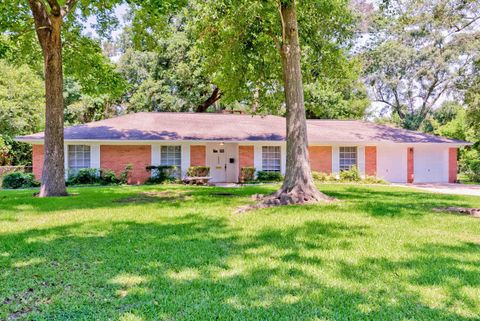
241	142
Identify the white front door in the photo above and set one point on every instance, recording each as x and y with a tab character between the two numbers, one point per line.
217	160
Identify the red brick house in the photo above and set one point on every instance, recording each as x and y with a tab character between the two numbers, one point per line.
227	142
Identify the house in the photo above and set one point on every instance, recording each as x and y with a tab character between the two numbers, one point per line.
227	142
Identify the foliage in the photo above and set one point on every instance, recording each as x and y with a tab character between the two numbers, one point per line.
323	177
381	252
351	175
348	177
125	174
420	52
108	177
19	180
247	174
267	176
198	171
472	100
470	164
84	176
167	76
240	45
162	174
21	110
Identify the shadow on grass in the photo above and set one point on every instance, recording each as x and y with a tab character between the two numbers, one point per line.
114	197
199	268
387	202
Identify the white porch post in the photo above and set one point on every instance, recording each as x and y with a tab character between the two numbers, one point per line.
335	161
361	160
185	159
95	156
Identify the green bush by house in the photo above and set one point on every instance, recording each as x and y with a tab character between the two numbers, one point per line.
247	174
19	180
163	174
198	171
266	176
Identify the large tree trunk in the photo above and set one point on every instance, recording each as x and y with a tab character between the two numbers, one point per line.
298	186
53	174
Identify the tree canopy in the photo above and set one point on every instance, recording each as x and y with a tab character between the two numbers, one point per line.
420	52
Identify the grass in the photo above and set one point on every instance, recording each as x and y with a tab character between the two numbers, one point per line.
178	253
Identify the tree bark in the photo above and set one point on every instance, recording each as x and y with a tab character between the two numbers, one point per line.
48	27
214	97
298	186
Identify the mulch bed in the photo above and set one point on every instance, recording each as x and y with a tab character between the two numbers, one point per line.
474	212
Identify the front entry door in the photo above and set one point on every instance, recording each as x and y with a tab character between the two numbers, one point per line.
218	163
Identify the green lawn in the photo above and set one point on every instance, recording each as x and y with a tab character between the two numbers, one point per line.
178	253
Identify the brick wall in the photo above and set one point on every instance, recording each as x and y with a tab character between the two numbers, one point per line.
410	165
116	157
245	155
198	155
371	160
321	158
37	161
452	165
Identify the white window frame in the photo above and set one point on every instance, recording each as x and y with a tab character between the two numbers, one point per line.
271	158
347	157
171	155
74	153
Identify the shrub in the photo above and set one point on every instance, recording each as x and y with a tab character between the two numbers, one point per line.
108	177
162	174
19	180
373	180
351	175
84	176
266	176
247	174
126	174
470	165
323	177
198	171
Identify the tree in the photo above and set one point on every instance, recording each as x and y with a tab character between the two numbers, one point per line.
49	18
165	72
252	49
419	53
21	110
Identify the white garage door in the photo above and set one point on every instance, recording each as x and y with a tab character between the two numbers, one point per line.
430	164
392	163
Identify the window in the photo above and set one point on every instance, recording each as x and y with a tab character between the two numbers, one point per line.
271	158
348	158
78	157
171	155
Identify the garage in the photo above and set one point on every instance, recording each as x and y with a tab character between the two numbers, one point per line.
430	164
392	163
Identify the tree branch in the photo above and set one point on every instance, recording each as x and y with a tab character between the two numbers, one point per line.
54	7
68	7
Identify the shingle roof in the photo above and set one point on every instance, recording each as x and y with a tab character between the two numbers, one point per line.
228	127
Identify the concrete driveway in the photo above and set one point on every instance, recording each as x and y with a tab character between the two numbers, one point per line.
443	188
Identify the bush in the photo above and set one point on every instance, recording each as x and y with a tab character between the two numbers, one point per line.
247	174
84	176
265	176
108	177
470	165
373	180
126	174
323	177
351	175
162	174
198	171
19	180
